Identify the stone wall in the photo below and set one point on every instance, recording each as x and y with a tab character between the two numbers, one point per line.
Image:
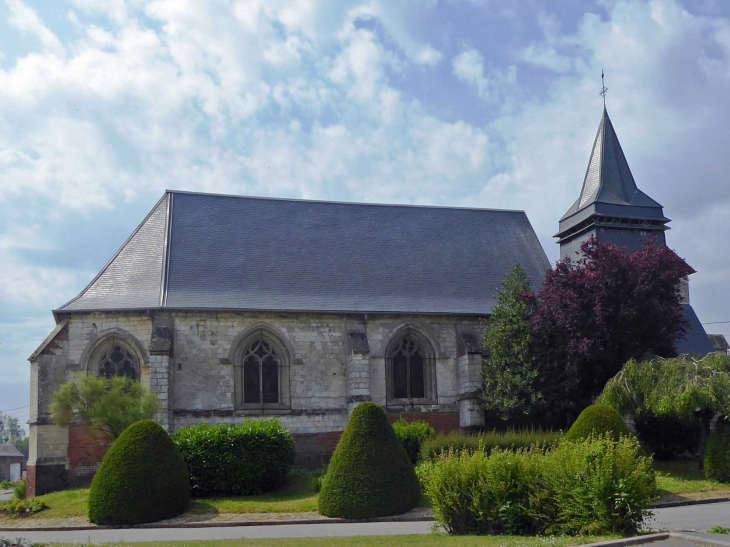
187	358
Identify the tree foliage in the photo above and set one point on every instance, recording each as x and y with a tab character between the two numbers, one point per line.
509	374
594	314
110	405
11	431
683	387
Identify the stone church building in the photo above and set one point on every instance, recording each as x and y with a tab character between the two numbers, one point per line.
232	308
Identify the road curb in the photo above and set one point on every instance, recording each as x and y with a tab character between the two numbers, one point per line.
682	503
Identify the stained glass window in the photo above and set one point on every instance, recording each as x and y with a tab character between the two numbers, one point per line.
118	361
408	369
260	375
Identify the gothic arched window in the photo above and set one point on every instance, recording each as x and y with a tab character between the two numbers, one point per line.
115	359
410	369
261	373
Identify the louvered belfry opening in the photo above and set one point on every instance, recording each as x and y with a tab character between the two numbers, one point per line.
261	373
410	367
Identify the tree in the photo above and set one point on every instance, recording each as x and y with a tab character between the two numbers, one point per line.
11	432
509	374
683	387
109	405
594	314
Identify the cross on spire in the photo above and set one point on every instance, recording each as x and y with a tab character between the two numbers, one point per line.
604	90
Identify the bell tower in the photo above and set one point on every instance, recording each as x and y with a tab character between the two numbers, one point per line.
612	209
610	206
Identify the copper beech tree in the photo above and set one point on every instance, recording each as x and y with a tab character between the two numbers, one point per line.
591	316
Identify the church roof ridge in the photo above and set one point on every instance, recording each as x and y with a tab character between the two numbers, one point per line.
336	202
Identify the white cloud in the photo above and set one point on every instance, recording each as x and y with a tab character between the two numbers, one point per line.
469	67
26	19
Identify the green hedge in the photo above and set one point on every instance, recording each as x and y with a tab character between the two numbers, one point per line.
142	478
717	453
242	459
489	441
594	486
412	434
598	419
370	474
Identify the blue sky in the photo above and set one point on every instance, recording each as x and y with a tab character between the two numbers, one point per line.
106	103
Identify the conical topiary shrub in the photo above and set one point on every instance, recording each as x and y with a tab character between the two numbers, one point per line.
600	420
142	478
370	474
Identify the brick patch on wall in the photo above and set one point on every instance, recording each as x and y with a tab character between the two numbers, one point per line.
440	421
43	479
86	450
315	449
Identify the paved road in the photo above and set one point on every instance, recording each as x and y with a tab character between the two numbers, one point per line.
678	518
6	495
692	517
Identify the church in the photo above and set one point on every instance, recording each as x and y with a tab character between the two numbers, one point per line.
232	308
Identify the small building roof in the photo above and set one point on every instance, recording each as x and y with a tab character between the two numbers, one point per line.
215	252
719	342
10	451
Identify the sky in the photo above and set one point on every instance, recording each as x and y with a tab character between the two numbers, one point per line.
105	104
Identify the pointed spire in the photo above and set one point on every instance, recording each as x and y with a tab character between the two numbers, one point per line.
608	178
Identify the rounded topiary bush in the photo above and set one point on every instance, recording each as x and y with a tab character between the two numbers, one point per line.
599	419
717	454
242	459
370	474
142	478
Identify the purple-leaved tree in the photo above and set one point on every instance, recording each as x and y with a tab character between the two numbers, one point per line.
594	314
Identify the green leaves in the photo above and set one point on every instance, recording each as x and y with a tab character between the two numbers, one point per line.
110	405
509	374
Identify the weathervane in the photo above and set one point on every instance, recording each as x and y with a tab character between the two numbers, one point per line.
604	90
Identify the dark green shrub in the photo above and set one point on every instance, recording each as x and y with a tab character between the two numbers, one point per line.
669	437
599	419
142	478
488	441
717	454
411	435
242	459
370	474
593	486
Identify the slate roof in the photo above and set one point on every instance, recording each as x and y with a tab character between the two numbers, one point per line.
203	251
10	451
608	178
719	342
696	340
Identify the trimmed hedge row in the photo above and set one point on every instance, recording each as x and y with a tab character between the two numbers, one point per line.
493	440
370	474
242	459
593	486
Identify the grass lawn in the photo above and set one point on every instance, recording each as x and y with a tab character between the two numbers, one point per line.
683	477
431	540
298	495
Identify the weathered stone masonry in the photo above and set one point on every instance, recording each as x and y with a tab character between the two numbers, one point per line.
334	362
